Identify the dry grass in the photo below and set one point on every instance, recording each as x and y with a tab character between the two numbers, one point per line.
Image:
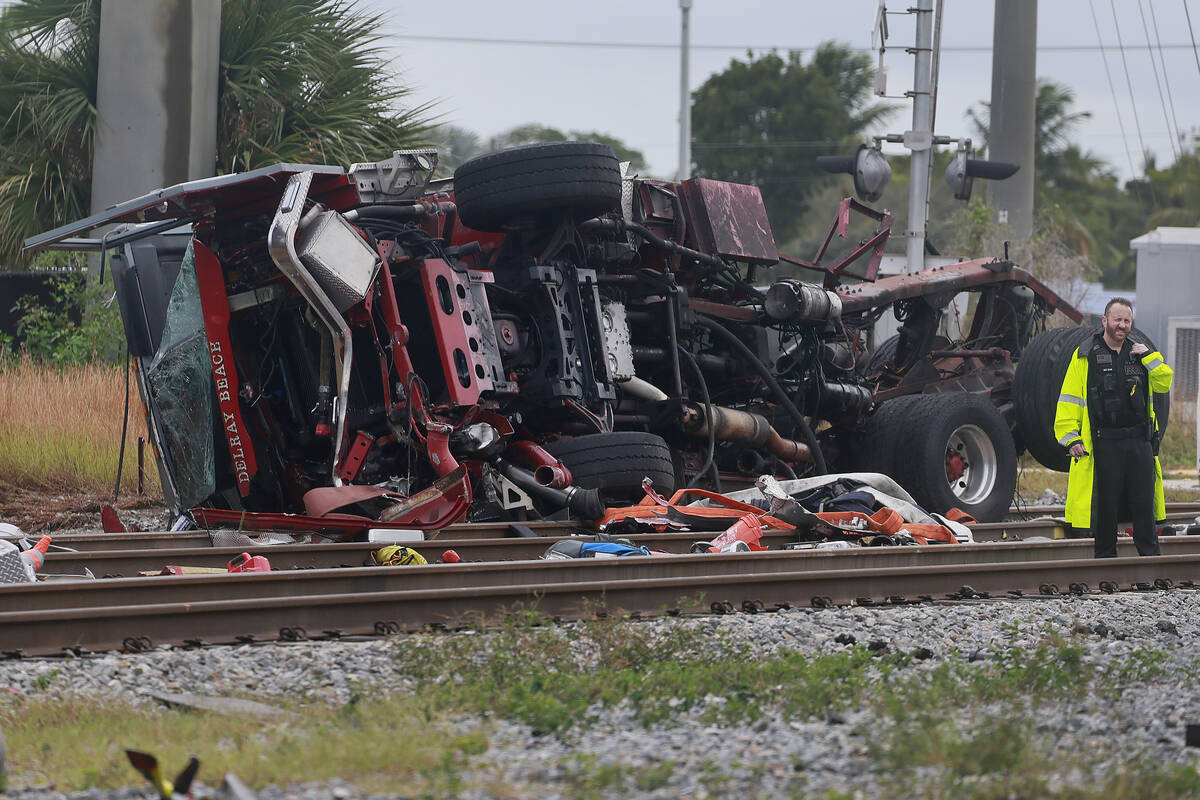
60	429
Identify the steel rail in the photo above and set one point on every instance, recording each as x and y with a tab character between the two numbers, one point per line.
311	582
1176	512
127	626
202	538
129	563
469	542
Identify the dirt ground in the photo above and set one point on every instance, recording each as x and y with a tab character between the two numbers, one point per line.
42	511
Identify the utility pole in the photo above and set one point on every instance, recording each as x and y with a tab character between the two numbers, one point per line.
920	139
1011	127
156	96
685	97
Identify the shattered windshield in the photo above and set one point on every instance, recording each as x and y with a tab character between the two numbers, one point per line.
180	380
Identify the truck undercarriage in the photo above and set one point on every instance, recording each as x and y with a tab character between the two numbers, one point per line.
364	348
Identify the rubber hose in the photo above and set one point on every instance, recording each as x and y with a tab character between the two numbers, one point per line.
712	429
805	429
584	502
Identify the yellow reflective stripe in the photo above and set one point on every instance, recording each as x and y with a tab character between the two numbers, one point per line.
1068	438
1070	398
1153	363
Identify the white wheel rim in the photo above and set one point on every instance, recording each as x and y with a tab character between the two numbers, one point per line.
971	450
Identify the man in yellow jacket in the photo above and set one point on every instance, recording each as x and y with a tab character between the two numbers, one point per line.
1105	419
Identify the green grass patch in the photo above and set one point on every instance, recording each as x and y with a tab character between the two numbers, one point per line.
532	674
391	745
1000	755
586	777
955	727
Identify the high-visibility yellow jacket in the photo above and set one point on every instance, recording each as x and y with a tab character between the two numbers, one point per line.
1071	425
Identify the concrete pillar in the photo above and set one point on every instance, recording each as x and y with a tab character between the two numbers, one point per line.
156	96
1014	88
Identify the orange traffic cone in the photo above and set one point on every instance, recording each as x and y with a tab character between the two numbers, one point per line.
35	556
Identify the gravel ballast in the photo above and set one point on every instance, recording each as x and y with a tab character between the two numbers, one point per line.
760	759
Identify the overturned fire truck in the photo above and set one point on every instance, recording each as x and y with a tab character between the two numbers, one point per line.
334	349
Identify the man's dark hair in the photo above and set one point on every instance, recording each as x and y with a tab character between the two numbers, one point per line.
1118	301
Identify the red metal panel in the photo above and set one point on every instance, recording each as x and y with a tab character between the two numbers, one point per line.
729	219
455	328
352	463
215	304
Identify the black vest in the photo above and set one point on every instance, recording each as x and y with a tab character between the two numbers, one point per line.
1118	387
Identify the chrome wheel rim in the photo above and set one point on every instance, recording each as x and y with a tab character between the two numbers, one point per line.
970	464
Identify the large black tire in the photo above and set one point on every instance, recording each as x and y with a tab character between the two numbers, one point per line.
1038	383
882	354
920	439
1036	387
616	462
881	444
537	183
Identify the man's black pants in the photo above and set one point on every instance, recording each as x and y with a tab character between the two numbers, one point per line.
1123	467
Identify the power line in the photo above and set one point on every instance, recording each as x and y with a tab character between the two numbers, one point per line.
1162	101
1192	34
1112	88
1166	79
1059	48
1133	104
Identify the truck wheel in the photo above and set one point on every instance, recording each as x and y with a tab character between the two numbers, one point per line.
616	462
1036	386
960	453
951	450
529	185
882	440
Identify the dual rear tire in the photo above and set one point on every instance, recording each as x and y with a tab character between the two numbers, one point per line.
950	450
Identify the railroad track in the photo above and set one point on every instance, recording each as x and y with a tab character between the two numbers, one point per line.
138	613
310	593
126	555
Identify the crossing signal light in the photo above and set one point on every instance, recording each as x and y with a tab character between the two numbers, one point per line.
962	171
869	167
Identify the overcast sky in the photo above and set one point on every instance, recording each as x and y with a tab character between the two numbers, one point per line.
465	56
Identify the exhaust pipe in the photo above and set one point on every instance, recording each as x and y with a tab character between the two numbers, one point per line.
585	503
547	470
730	425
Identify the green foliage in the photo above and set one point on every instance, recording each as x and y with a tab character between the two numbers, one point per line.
455	145
79	325
48	55
302	81
764	120
306	81
378	743
533	133
1084	200
45	679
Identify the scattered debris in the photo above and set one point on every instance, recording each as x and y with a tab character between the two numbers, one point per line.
148	766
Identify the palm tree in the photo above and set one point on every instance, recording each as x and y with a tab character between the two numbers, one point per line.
303	81
1054	122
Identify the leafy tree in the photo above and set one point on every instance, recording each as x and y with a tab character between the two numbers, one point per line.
1054	123
301	81
532	133
455	145
764	120
1076	192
